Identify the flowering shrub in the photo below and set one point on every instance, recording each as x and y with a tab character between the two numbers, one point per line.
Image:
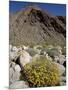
42	72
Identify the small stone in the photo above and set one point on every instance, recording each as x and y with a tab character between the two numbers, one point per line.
15	49
17	68
56	58
25	47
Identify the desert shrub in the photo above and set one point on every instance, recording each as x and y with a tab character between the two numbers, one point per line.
41	72
32	52
53	52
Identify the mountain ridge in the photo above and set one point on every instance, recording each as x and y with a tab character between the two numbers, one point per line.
35	26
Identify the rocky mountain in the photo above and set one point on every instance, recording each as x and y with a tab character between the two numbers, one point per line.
33	25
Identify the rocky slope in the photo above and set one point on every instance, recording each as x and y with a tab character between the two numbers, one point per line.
35	26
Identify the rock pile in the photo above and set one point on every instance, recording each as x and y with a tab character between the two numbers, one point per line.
20	56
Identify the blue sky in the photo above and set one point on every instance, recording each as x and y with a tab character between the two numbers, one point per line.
54	9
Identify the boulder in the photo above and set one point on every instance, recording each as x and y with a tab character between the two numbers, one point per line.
13	53
13	56
14	73
24	58
61	69
60	59
18	85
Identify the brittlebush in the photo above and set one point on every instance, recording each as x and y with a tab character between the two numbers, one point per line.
42	72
